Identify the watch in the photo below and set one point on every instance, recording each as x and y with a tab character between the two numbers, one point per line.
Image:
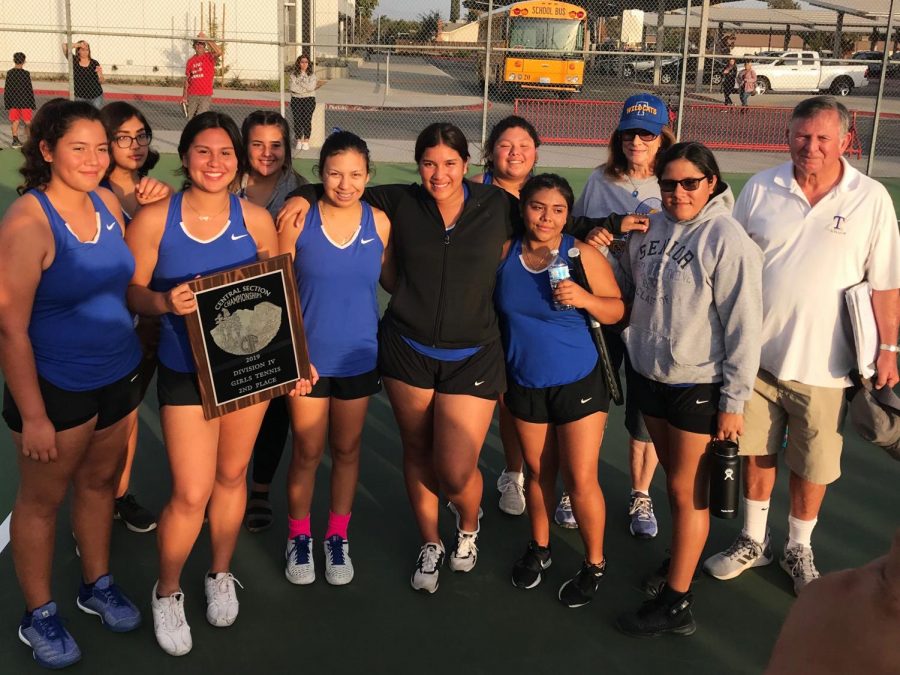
889	348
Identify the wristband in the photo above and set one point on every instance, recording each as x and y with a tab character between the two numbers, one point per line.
889	348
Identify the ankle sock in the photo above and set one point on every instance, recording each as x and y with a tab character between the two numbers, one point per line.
635	493
756	514
800	531
337	524
298	527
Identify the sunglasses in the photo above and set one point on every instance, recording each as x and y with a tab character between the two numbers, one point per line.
689	184
629	134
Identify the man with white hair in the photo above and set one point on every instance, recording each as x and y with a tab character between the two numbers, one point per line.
823	227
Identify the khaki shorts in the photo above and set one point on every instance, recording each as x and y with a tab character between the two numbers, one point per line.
197	105
813	417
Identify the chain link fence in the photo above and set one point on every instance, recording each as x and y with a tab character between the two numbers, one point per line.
565	67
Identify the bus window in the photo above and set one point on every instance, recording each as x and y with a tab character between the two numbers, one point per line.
546	34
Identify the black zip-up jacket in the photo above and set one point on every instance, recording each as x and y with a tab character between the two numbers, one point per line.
445	280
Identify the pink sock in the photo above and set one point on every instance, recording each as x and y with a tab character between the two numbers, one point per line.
337	524
298	527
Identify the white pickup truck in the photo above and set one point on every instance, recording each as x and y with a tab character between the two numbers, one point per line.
803	71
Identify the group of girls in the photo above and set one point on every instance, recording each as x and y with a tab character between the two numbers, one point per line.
471	318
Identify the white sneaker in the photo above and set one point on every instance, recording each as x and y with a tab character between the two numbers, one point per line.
798	563
298	145
338	566
305	146
465	555
221	599
511	485
169	623
300	568
743	554
428	567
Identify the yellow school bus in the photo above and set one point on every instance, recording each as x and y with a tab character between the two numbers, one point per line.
535	25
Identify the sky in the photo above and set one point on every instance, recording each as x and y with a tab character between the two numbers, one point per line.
412	9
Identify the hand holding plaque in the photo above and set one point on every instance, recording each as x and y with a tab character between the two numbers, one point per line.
247	336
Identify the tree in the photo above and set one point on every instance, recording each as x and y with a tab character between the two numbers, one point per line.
783	4
454	11
428	26
365	8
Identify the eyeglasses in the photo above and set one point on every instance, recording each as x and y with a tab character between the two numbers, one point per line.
689	184
629	134
143	140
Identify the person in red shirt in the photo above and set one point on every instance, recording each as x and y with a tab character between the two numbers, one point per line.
198	76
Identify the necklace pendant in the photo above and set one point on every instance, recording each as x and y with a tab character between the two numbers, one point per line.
634	194
203	218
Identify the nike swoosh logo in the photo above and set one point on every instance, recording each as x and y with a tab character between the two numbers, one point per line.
478	383
235	237
699	402
367	241
585	400
137	375
110	226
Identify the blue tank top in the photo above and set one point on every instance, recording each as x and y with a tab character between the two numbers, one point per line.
487	178
81	331
338	294
544	347
181	257
125	215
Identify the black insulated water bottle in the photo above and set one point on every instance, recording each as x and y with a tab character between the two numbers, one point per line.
724	479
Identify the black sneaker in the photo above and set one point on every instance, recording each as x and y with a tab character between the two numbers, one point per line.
16	143
653	583
135	516
579	590
657	617
528	570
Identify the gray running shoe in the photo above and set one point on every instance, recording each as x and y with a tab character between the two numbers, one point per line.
428	567
743	554
798	563
511	485
643	520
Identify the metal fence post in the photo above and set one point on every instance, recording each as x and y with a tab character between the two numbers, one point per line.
70	64
387	73
685	45
485	101
282	11
870	163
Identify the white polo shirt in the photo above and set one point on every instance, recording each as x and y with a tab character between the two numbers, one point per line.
812	254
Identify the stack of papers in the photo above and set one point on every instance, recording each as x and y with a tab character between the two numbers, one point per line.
865	331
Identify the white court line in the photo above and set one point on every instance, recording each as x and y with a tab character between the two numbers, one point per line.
4	533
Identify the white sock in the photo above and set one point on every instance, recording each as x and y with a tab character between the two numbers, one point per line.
635	491
755	516
800	531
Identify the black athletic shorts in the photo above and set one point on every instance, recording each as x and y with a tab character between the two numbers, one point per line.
559	405
348	388
694	408
68	409
634	421
483	374
176	388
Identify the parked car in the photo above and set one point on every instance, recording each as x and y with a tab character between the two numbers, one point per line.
631	64
803	71
670	70
874	60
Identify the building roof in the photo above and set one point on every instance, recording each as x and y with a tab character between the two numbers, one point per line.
739	18
871	9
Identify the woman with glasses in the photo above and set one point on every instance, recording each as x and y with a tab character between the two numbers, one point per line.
131	159
626	184
303	99
269	178
694	340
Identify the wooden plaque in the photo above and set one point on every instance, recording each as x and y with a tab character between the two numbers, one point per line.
247	335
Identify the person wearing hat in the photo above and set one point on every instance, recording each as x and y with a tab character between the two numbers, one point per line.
626	184
199	72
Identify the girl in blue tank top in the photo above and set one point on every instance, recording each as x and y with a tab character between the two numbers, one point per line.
337	260
555	387
201	230
131	158
69	356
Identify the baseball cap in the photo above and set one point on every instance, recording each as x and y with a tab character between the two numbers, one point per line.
644	111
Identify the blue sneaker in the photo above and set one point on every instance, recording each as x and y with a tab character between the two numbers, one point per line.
643	520
52	645
564	515
106	600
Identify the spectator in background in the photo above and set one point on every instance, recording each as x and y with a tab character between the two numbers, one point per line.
729	78
303	99
746	81
86	73
199	72
18	96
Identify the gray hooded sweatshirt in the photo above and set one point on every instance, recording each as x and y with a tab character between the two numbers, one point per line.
696	288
